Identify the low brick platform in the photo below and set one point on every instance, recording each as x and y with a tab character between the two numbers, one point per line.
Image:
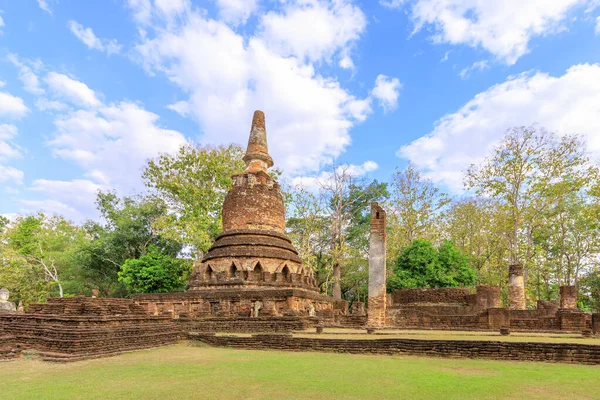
247	325
77	328
496	350
9	349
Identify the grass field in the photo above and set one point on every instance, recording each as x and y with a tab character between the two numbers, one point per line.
199	372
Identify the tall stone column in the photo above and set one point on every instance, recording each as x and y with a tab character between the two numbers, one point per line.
377	286
568	297
516	287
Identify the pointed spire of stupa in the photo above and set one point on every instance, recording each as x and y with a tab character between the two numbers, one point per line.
257	156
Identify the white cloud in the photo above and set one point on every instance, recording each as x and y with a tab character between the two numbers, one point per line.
30	80
598	26
236	11
8	174
2	83
87	36
314	182
503	28
44	6
392	3
73	199
387	90
44	104
1	20
181	107
308	116
7	148
76	92
12	106
113	142
313	29
476	66
565	104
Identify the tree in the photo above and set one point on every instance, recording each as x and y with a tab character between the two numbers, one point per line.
193	183
421	265
41	249
308	228
476	226
533	174
128	233
415	204
155	273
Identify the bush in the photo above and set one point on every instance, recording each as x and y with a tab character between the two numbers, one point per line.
154	273
421	265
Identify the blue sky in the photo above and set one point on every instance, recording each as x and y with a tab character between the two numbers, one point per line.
90	90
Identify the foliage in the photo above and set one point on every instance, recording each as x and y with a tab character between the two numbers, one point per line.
38	257
414	206
127	234
193	184
155	272
421	265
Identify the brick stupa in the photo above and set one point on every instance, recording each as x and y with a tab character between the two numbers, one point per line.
253	250
252	270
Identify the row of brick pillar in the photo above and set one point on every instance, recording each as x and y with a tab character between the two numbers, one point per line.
516	291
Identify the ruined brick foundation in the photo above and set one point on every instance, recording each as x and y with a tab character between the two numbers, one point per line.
459	309
76	328
496	350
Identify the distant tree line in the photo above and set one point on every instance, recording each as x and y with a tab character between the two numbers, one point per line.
534	201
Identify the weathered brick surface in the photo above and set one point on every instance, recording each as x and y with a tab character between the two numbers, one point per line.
433	296
9	348
516	287
247	325
515	351
568	297
377	268
75	328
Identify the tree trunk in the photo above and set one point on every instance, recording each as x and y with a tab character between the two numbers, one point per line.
337	287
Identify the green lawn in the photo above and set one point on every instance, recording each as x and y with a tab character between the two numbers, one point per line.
199	372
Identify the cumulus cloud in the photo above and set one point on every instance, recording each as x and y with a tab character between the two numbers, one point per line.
308	116
387	90
73	199
87	36
236	11
476	66
503	28
316	181
112	142
30	80
45	6
12	106
9	150
76	92
313	29
565	104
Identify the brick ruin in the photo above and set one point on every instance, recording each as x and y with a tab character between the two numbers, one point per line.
465	309
75	328
252	270
377	270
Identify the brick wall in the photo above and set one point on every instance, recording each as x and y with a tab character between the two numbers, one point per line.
514	351
433	296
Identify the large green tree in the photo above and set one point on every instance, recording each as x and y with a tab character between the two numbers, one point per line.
127	233
38	257
193	183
